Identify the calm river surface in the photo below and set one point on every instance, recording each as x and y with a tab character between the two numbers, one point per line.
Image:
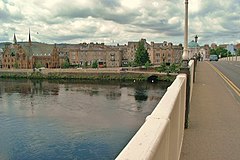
71	120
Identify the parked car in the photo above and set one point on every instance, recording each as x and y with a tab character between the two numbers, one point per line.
213	57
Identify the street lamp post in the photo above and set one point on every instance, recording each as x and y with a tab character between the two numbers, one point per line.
185	68
185	49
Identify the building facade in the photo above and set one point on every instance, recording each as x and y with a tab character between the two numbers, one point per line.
205	52
28	55
165	53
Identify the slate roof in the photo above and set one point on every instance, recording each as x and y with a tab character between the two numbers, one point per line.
37	49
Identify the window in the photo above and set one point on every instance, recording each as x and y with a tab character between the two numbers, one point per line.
112	58
73	55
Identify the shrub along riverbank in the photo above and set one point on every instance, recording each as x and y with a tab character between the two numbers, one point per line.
85	75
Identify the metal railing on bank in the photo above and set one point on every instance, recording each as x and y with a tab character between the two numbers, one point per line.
161	136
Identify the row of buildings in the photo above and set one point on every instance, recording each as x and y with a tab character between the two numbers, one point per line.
28	55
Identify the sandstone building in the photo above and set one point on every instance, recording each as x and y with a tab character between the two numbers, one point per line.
28	55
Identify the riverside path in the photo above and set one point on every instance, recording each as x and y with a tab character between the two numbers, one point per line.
214	128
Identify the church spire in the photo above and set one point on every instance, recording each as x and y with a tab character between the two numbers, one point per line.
29	38
14	39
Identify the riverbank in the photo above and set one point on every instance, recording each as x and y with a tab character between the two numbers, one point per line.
85	74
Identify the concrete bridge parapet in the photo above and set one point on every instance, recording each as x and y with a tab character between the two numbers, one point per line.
161	136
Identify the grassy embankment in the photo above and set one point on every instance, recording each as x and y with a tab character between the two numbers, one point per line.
84	75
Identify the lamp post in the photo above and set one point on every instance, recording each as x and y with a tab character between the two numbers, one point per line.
185	49
185	68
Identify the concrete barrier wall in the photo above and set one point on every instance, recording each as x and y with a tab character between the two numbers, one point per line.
161	136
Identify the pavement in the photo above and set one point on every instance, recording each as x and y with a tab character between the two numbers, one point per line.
214	120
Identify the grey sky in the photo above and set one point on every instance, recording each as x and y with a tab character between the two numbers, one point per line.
119	21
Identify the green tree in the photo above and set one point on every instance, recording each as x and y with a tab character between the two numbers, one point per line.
147	64
85	64
219	51
39	64
131	64
162	68
66	63
212	51
174	68
95	64
141	55
15	65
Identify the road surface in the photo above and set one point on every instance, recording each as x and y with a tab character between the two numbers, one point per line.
231	70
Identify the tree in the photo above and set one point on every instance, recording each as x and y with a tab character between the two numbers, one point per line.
141	55
212	51
95	64
66	63
147	64
162	68
15	65
85	64
174	68
39	64
219	51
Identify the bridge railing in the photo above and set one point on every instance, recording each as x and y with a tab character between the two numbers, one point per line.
233	58
161	136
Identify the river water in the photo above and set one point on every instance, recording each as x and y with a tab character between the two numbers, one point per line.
71	120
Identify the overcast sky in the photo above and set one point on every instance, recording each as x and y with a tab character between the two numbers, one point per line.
119	21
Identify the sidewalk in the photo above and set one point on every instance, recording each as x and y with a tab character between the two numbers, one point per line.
214	128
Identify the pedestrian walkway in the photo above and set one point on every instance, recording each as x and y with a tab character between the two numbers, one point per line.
214	128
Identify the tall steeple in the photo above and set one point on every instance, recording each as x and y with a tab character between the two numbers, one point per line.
14	39
29	38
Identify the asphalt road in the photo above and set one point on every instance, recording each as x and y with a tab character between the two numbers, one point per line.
231	69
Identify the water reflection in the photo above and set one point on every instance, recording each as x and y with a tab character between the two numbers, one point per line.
28	87
141	92
51	119
113	95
